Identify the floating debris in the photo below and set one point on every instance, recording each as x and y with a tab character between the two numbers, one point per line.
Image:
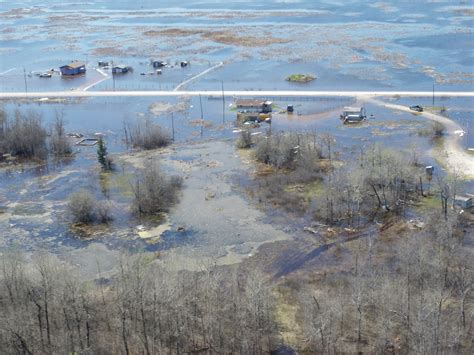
88	142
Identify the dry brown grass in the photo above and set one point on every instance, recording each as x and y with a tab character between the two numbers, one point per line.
224	37
108	51
228	37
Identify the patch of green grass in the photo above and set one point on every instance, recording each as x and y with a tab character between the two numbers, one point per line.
307	190
300	78
429	203
122	183
28	210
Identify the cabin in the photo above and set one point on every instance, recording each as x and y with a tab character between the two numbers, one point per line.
464	202
158	63
120	69
73	68
353	114
257	106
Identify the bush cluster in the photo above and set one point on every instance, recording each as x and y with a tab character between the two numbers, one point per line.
84	208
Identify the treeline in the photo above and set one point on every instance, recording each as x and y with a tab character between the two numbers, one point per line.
409	296
350	191
45	308
23	135
420	302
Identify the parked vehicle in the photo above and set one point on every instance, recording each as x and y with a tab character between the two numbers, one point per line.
45	75
416	108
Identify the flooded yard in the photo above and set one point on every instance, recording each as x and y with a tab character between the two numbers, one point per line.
350	46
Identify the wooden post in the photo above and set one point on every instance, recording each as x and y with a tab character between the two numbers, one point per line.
223	102
202	115
172	125
24	77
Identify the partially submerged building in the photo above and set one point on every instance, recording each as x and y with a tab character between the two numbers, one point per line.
255	111
120	69
464	202
353	114
255	106
73	68
158	63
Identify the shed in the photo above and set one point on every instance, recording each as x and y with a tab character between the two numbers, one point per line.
465	202
120	69
353	114
158	63
249	105
73	68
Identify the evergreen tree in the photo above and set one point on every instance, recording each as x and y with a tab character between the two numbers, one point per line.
102	155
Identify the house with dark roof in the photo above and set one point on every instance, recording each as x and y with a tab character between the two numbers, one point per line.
73	68
250	105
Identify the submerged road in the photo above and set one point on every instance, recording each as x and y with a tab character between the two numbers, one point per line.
457	159
242	93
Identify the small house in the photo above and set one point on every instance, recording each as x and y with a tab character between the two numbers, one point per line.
249	105
120	69
73	68
353	114
464	202
158	64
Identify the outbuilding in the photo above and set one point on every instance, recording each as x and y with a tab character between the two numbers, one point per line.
464	202
158	64
73	68
120	69
249	105
353	114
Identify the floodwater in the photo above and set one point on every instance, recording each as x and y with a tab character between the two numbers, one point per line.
346	45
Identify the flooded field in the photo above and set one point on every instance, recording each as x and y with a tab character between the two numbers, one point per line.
248	177
344	45
398	48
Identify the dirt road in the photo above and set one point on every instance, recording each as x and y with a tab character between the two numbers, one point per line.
455	156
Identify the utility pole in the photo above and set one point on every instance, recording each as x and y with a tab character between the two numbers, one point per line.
202	115
24	77
223	102
172	124
113	76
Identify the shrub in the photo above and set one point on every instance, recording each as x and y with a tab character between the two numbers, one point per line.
84	208
59	143
147	135
435	130
245	140
103	212
279	150
154	192
23	136
82	205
